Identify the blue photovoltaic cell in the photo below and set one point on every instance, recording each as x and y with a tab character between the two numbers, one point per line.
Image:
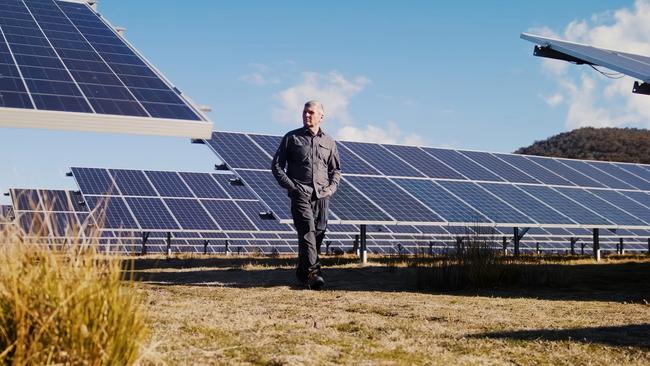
446	205
462	164
596	174
239	151
26	200
72	61
265	185
252	209
404	229
527	204
541	174
94	181
393	200
55	200
268	143
499	167
568	208
352	164
63	224
381	159
350	205
235	188
640	197
132	182
567	173
33	223
621	201
228	215
635	169
111	213
623	175
168	184
482	201
152	214
6	212
424	162
435	230
203	185
190	214
601	207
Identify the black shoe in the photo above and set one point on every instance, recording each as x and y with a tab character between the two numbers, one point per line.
315	281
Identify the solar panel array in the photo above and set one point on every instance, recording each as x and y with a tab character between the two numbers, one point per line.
61	56
6	215
405	185
60	217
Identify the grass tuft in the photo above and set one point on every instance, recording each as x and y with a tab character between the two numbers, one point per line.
66	306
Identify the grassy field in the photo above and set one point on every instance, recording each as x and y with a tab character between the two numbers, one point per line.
231	310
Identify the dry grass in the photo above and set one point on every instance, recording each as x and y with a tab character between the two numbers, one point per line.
68	306
219	310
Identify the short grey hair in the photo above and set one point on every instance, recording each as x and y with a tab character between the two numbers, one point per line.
315	103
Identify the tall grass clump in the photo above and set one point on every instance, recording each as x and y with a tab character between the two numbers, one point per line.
65	305
478	262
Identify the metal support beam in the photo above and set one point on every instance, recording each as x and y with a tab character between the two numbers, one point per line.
145	237
537	247
641	88
505	246
573	245
516	238
363	252
227	249
548	52
169	244
596	244
205	246
648	246
621	248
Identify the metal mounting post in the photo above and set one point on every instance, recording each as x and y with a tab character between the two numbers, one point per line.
596	244
516	238
363	253
205	246
621	248
169	244
573	245
145	237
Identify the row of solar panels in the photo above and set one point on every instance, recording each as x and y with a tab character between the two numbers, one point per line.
390	184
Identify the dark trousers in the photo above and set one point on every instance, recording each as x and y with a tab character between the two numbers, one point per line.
310	219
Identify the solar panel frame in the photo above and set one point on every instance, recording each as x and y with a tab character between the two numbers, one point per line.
74	107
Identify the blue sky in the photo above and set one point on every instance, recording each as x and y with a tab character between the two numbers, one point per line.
434	73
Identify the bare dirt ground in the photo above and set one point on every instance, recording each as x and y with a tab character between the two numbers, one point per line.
232	310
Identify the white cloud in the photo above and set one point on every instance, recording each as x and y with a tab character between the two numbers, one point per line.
554	100
260	75
333	89
592	99
389	134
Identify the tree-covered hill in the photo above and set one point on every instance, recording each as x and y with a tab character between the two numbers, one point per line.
608	144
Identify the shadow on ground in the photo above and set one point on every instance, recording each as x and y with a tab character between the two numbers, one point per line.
616	282
633	335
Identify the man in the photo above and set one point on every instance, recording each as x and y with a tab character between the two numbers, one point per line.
313	171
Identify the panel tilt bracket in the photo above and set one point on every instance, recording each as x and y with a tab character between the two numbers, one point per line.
548	52
641	88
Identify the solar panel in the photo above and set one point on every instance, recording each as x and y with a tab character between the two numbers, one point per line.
228	215
462	164
6	213
203	185
238	151
569	208
616	171
65	67
601	207
535	209
488	204
349	205
567	173
132	182
168	184
397	203
423	162
190	214
499	167
264	184
637	66
381	159
449	207
527	166
597	174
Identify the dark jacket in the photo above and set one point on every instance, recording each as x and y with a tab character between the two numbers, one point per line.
312	163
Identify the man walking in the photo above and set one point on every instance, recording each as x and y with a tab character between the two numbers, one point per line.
312	175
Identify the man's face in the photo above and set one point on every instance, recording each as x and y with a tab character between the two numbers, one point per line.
312	116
